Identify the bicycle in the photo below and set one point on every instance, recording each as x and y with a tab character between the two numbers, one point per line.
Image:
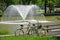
19	31
33	30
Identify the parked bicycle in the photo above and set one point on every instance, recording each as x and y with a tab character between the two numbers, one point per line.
19	31
32	29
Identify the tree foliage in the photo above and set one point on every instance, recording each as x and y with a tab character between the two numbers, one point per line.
6	3
27	2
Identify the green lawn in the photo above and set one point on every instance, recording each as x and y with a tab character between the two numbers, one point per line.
56	19
28	38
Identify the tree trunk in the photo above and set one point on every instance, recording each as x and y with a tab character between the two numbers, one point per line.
45	5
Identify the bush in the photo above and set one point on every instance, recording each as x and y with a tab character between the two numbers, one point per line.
1	12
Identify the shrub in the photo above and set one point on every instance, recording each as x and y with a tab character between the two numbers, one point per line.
1	12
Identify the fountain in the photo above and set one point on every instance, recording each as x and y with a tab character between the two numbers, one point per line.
19	14
22	12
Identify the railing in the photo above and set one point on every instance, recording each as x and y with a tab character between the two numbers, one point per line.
52	30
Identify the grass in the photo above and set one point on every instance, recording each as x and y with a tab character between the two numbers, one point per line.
28	38
0	18
4	31
56	19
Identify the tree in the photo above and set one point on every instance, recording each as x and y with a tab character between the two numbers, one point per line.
10	2
40	2
26	2
50	3
2	5
5	3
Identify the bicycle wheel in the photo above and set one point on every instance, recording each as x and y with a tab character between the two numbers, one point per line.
19	32
30	32
33	32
